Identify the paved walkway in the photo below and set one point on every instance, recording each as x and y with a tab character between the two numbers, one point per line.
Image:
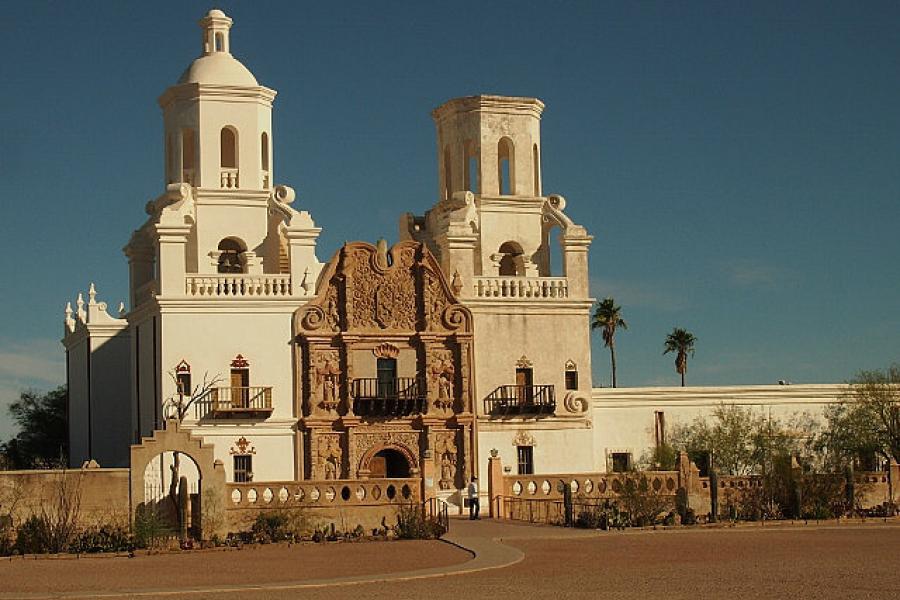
512	560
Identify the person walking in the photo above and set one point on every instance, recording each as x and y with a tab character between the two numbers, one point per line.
473	498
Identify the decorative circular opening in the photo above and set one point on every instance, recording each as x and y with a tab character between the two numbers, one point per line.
376	492
574	486
670	484
657	484
236	496
268	495
283	495
588	486
330	494
405	492
314	494
532	487
300	495
251	495
391	492
360	493
601	487
345	493
617	486
546	487
517	489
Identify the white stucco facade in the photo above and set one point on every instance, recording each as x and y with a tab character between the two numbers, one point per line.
224	263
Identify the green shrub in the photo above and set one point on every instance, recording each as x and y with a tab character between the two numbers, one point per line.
412	524
271	527
150	530
106	538
33	536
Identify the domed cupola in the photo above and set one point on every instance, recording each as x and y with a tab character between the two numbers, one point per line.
218	119
216	65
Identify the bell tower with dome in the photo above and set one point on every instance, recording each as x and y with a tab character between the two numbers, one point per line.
218	268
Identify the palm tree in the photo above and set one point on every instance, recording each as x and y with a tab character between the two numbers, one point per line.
608	317
681	341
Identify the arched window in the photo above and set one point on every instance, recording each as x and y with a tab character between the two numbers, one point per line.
506	166
448	174
264	150
512	260
228	148
220	42
231	256
536	161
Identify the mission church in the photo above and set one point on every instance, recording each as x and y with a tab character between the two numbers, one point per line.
426	357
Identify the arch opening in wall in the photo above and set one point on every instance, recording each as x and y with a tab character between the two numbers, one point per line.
448	174
470	164
163	478
512	259
188	155
389	464
536	162
264	150
219	42
264	158
170	160
228	148
231	256
506	166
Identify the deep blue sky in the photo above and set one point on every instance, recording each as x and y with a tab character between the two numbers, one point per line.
738	163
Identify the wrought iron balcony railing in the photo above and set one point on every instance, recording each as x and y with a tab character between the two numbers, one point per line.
512	400
239	401
394	398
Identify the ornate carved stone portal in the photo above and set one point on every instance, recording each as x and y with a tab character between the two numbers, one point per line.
383	356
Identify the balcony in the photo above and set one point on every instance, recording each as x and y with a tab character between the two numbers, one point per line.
525	288
255	401
237	286
400	397
518	400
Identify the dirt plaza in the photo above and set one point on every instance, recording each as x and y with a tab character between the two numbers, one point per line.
829	560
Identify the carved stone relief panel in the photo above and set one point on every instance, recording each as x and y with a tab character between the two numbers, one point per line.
330	455
446	457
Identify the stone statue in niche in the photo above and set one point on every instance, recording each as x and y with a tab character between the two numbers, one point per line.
328	373
442	375
446	454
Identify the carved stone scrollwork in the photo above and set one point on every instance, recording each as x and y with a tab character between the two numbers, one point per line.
574	403
367	444
331	455
523	438
446	459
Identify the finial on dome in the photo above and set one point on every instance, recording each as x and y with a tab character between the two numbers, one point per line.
215	32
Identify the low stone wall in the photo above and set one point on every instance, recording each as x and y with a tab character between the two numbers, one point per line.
347	503
539	498
102	494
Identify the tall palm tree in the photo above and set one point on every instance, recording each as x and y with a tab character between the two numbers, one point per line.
608	317
681	341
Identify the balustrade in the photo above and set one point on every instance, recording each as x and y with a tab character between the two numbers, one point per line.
323	493
235	401
398	397
535	288
238	285
229	179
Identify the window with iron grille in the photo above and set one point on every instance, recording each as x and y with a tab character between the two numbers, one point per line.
243	468
526	459
571	379
621	462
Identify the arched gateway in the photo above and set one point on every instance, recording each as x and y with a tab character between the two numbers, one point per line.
383	355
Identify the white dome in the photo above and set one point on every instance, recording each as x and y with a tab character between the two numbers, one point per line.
218	68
